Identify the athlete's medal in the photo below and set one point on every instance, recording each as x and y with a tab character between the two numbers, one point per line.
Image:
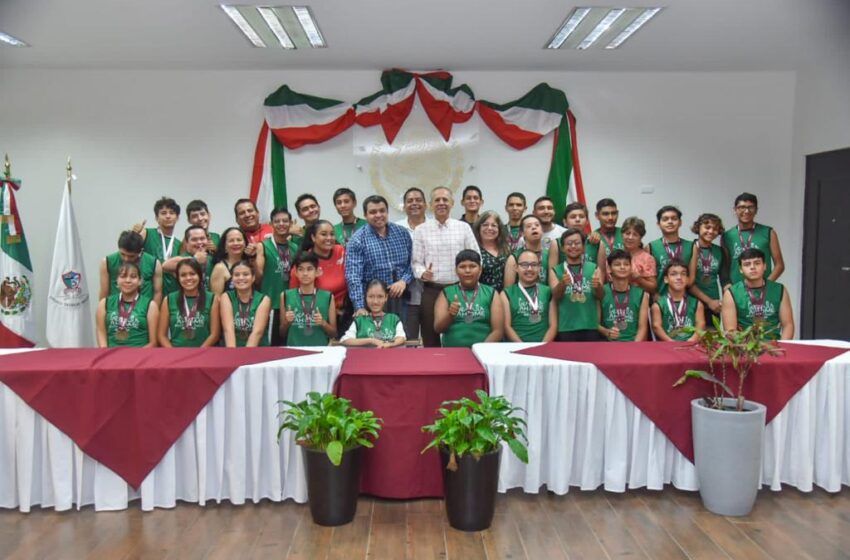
705	264
678	312
122	332
673	254
533	304
121	335
244	314
757	302
189	319
577	281
378	323
308	313
620	309
467	303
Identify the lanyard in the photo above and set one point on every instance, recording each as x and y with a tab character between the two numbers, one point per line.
749	242
284	256
244	313
679	313
534	303
620	306
124	314
705	260
757	301
577	280
674	254
189	314
166	252
468	302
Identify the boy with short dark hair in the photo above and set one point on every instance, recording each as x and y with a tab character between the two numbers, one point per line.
515	206
757	299
345	202
160	242
676	309
310	316
131	249
471	200
623	308
669	246
199	215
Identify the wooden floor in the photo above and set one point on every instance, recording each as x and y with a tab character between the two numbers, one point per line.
638	524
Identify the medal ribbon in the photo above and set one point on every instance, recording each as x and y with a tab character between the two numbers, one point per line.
577	279
513	241
677	253
189	314
166	252
378	322
244	313
468	303
749	242
308	312
620	306
705	262
284	256
124	314
609	240
679	313
534	304
757	302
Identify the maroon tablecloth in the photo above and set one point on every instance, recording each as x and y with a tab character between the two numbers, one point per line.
645	373
404	387
125	407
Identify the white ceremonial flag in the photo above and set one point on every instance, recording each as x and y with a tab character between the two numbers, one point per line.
69	322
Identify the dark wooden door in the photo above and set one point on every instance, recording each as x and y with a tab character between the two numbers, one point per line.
826	247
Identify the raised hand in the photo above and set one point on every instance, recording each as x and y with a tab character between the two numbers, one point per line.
454	308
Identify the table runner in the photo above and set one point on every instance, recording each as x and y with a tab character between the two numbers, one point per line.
125	407
645	373
404	387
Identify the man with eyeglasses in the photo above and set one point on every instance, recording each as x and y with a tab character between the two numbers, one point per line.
530	311
750	235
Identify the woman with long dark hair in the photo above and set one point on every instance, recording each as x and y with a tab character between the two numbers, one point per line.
189	316
230	251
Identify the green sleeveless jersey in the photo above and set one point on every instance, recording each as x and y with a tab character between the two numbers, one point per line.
154	247
343	232
521	316
656	248
709	263
367	328
465	332
668	321
276	270
736	241
136	325
543	256
618	241
573	314
243	325
214	237
513	236
297	334
768	311
629	315
591	251
180	335
147	266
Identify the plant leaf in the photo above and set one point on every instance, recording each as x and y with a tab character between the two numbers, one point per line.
334	452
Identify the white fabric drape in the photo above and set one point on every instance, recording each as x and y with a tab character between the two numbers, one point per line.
230	452
584	432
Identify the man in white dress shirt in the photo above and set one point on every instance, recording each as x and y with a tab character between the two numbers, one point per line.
436	243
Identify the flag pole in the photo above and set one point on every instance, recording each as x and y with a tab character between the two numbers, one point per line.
68	171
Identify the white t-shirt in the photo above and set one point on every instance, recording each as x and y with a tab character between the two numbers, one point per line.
554	234
351	333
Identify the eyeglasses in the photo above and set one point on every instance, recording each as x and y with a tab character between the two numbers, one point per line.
745	208
489	226
573	244
528	265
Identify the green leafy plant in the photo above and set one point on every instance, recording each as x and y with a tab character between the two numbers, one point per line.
466	426
739	349
329	423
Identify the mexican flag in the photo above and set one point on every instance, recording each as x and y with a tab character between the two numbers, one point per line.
294	120
17	322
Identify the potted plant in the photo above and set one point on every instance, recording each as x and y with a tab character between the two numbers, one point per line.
331	434
469	436
727	428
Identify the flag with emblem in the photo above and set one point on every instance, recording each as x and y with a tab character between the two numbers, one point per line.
17	321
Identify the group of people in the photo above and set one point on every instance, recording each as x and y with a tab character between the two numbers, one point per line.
451	282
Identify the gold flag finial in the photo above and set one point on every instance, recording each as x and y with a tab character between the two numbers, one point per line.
7	167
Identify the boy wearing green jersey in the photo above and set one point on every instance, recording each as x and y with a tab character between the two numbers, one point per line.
573	285
623	309
531	314
161	241
675	309
576	217
709	266
750	235
345	202
273	264
310	316
757	299
199	215
131	250
669	246
515	207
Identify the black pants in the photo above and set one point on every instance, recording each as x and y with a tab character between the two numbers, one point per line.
276	340
430	338
579	336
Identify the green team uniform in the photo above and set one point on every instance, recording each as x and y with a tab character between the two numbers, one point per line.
749	311
366	327
137	322
296	336
521	312
631	313
214	237
343	231
757	238
244	326
591	251
275	270
618	241
577	315
668	321
543	257
709	266
513	237
147	266
153	246
463	334
659	253
180	337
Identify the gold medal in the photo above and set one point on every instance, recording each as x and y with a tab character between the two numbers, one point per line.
573	297
189	334
580	297
121	334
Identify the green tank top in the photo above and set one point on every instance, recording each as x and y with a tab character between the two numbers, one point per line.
577	315
136	325
591	251
668	321
276	270
243	325
521	317
297	334
214	237
618	241
179	334
367	328
543	255
513	236
656	248
154	246
462	333
630	315
709	262
757	238
343	232
749	311
147	266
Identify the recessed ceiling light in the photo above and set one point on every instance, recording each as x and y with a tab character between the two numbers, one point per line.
305	17
13	41
274	24
639	21
243	25
601	27
568	27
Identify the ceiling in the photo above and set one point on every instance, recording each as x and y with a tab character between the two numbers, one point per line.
690	35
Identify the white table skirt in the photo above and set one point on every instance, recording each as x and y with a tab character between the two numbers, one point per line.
584	432
230	452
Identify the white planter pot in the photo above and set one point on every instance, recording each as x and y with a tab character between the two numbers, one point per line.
727	455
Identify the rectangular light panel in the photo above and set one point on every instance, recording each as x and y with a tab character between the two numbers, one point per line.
639	22
305	17
291	27
243	25
274	24
600	27
12	41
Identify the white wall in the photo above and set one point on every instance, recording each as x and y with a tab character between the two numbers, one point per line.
698	139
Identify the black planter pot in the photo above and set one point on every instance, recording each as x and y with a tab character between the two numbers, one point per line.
332	491
471	490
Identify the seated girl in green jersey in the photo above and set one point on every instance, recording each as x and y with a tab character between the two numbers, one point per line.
623	308
676	309
127	318
377	329
533	240
244	310
573	283
757	299
189	317
709	266
531	314
310	316
468	312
